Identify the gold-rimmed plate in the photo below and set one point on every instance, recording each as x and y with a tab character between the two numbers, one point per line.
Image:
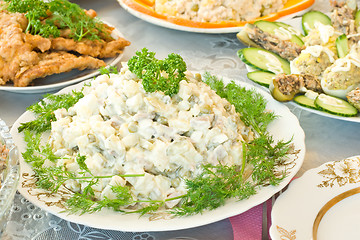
296	211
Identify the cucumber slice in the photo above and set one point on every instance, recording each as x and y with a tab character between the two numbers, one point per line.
335	106
275	29
357	18
262	59
305	101
309	18
342	46
291	29
261	77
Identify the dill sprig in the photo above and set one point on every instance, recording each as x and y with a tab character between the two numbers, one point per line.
44	110
212	188
250	105
108	70
85	203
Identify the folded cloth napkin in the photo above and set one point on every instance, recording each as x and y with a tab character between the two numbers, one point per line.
248	225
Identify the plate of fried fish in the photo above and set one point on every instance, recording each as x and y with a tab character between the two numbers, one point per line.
49	45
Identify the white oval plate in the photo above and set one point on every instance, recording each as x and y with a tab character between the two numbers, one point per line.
296	23
167	24
295	210
58	81
285	127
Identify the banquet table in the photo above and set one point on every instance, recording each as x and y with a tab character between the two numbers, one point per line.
326	139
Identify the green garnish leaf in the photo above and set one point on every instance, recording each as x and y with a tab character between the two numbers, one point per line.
250	105
108	70
83	203
48	18
45	110
158	75
212	188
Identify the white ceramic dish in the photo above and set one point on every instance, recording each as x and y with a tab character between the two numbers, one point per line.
167	24
285	127
295	210
58	81
296	23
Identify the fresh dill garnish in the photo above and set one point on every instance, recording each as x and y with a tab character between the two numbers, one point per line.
81	162
250	105
212	188
80	203
48	18
265	155
44	110
36	153
158	75
108	70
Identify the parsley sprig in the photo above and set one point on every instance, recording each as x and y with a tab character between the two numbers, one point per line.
158	75
48	18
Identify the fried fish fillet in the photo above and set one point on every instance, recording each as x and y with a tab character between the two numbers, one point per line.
94	48
55	62
14	51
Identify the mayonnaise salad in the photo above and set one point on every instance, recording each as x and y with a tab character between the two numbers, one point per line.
121	129
217	10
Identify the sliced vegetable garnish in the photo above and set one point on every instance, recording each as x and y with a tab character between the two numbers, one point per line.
279	31
305	101
262	59
335	106
261	77
342	46
309	19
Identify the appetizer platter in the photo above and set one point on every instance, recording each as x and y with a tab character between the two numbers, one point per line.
48	45
159	140
205	16
316	68
318	187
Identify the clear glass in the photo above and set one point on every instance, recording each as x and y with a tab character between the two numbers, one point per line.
9	177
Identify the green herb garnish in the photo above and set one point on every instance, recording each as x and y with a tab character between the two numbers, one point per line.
158	75
108	70
44	110
212	188
47	19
